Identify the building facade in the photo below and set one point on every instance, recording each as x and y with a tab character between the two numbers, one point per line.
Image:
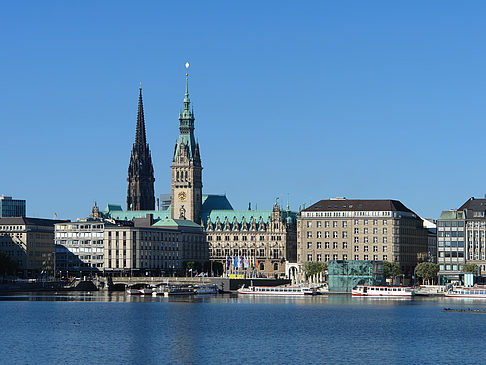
140	194
377	230
160	248
29	242
11	207
461	239
451	249
267	238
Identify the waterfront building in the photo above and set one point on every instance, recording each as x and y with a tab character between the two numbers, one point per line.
29	242
140	195
451	249
11	207
377	230
154	248
461	239
266	238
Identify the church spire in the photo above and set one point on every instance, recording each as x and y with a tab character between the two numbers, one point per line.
140	194
140	137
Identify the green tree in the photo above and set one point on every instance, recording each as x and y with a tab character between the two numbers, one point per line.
470	268
391	269
313	268
427	271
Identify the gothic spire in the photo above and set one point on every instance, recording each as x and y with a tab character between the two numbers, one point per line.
140	194
140	138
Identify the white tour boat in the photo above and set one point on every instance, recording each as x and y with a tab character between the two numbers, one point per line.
382	291
472	293
276	291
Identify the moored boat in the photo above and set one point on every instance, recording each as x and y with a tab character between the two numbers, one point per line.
382	291
207	289
472	293
276	291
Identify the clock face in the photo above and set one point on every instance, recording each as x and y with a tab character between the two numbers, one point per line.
182	195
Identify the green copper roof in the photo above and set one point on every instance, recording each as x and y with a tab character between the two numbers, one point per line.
169	222
452	215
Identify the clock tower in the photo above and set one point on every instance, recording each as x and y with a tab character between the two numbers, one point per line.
186	182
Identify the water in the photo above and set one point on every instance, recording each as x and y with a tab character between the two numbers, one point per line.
118	329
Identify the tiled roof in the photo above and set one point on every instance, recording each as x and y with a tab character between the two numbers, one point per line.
358	205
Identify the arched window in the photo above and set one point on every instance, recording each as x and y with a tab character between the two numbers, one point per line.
275	266
177	176
186	175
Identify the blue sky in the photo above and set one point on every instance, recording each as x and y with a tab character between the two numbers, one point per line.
370	100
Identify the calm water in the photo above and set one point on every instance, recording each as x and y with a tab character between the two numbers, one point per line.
118	329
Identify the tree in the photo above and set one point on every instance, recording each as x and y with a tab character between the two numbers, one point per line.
313	268
427	271
470	268
391	269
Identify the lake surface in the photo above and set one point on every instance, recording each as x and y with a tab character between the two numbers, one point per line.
101	328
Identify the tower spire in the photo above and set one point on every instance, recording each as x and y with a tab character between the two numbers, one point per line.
140	137
140	194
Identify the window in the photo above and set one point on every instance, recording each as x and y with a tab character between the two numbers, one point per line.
335	257
345	245
365	222
375	257
319	224
334	224
326	224
384	239
326	244
365	230
356	221
356	248
375	248
334	234
326	258
309	245
385	248
319	244
365	257
385	258
356	231
319	234
319	258
385	231
275	267
326	234
334	245
345	234
375	222
375	230
356	239
375	239
384	222
345	224
309	224
345	257
309	257
366	240
309	234
356	257
365	248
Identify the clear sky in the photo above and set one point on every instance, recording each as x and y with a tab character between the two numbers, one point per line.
306	100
